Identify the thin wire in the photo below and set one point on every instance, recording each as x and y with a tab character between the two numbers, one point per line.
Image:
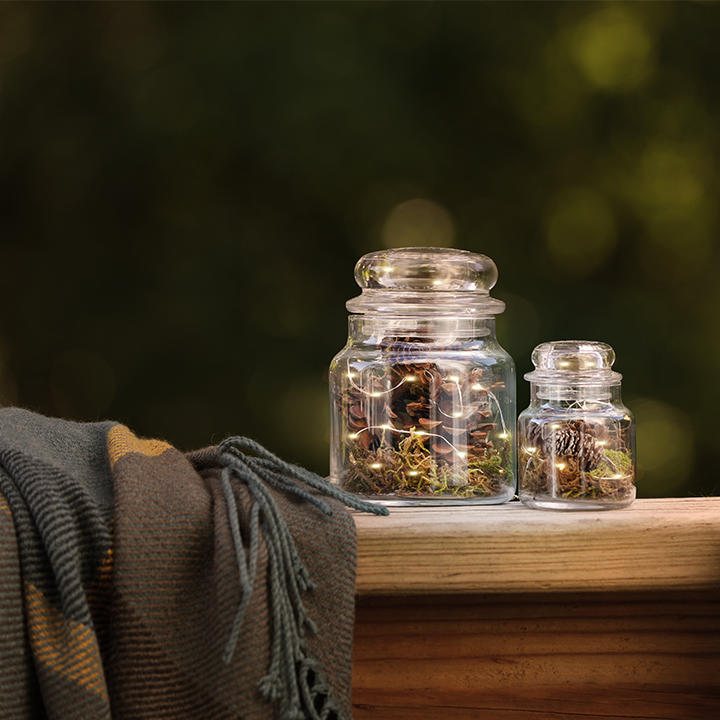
371	394
421	433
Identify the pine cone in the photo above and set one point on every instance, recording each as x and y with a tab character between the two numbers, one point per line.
448	413
358	421
574	439
402	353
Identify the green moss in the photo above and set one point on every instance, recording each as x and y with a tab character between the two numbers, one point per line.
612	479
411	469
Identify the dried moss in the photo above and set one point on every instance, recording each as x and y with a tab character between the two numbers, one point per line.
412	470
561	476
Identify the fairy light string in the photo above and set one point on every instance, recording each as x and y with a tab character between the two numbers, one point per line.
422	433
463	412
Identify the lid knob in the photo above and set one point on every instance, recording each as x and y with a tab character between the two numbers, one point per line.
426	269
574	362
426	280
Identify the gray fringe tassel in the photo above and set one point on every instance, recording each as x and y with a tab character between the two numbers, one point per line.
292	679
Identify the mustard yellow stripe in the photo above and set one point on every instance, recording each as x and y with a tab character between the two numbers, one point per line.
63	645
4	506
121	441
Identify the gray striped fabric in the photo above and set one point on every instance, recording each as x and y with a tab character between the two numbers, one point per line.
120	583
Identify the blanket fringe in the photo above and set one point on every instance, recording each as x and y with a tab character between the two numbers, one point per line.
292	679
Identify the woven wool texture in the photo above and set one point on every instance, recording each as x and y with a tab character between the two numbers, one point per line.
120	583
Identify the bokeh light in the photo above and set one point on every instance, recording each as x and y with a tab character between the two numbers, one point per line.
665	447
613	47
581	232
185	189
419	223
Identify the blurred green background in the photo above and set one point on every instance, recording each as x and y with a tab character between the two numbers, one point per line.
186	187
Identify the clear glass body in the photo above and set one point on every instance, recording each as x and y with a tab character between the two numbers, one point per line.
576	440
423	406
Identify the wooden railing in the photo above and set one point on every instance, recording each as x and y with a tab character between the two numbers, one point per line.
505	613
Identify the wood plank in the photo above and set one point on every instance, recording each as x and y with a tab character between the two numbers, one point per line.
655	544
538	656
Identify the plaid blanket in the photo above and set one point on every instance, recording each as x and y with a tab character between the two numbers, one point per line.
140	582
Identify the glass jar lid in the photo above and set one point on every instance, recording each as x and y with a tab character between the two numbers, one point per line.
425	280
573	362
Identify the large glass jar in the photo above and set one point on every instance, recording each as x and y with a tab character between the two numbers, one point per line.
576	441
422	395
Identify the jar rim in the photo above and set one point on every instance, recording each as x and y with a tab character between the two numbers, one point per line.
575	379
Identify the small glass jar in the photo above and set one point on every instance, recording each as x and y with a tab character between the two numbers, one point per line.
576	441
422	396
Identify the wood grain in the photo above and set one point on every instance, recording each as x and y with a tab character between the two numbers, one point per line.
526	657
663	544
506	613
